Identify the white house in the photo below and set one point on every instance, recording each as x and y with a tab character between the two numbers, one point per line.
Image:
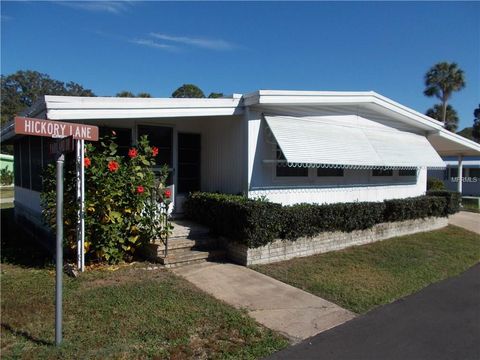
287	146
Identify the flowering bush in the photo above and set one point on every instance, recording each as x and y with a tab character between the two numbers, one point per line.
125	205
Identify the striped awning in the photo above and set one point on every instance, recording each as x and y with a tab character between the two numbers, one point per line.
349	142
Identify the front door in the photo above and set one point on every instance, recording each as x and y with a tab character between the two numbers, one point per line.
162	138
188	174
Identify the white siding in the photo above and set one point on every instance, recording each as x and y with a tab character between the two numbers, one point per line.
343	193
355	185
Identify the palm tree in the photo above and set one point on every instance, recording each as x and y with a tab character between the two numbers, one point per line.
441	81
451	119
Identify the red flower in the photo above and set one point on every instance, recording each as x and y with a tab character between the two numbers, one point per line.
154	151
87	162
168	193
132	153
140	189
113	166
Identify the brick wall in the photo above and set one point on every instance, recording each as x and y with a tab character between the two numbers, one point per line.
280	250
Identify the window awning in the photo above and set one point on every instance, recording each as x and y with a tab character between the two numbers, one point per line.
325	142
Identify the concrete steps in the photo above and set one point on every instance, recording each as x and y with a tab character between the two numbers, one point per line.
188	244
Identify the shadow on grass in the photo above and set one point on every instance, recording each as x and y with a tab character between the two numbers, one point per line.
19	248
25	335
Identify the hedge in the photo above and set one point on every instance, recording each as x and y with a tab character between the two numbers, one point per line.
256	223
453	198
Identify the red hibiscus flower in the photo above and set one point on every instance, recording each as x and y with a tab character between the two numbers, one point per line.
132	153
140	189
154	151
168	193
87	162
113	166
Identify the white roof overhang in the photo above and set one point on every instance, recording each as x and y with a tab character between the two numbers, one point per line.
84	108
449	144
349	142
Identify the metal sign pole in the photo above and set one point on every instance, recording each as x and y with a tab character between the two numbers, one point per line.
59	252
79	211
82	204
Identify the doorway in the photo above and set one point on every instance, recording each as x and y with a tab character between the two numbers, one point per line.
189	166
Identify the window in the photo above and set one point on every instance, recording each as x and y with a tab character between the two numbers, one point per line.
17	163
411	172
382	172
285	171
453	172
25	161
123	138
474	172
36	162
329	172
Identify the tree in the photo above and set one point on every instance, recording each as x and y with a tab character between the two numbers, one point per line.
21	89
144	95
467	133
214	95
441	81
188	91
476	124
125	93
451	120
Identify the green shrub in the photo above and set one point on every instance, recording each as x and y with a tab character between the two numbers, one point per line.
256	223
435	184
311	219
122	202
453	199
6	176
414	208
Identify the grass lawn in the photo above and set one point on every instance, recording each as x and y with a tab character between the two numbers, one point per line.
363	277
125	312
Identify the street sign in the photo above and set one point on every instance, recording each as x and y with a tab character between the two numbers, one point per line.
65	132
55	129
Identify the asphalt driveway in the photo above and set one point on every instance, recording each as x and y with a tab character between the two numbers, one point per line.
441	321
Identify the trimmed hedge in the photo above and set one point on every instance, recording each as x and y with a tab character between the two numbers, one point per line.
256	223
414	208
250	221
452	198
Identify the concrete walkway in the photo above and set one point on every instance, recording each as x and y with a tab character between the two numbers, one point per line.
466	220
278	306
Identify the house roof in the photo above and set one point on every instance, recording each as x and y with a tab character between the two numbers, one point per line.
95	108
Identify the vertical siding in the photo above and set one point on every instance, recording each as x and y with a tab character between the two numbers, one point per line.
223	155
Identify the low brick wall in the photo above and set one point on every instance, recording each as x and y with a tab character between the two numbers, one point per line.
280	250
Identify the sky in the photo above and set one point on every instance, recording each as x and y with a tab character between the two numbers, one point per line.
239	47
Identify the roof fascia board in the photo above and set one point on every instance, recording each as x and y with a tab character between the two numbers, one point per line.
264	97
97	114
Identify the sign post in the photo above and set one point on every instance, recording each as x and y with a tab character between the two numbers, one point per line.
59	252
66	132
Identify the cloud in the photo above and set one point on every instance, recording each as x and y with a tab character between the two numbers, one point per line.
152	44
112	7
212	44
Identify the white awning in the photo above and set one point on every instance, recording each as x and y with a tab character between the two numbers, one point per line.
349	142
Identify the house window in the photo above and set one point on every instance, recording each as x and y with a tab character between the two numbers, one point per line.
36	162
474	172
25	161
453	172
17	163
285	171
382	172
411	172
329	172
123	138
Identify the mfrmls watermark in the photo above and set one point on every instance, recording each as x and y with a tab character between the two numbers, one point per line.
467	179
